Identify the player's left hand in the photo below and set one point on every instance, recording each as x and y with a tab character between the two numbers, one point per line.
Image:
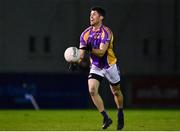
84	64
73	66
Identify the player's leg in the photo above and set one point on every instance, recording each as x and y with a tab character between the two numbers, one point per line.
93	83
113	76
93	90
118	97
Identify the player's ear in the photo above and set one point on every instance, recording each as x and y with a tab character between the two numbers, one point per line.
101	17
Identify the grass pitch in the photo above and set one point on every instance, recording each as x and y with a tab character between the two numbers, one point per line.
87	120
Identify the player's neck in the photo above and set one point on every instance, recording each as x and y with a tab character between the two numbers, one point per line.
97	27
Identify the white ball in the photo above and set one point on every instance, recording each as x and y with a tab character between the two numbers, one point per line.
71	54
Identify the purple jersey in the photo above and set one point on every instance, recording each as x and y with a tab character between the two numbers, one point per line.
95	38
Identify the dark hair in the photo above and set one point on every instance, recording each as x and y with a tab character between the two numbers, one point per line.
100	10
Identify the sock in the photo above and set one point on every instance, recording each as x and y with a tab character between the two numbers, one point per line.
104	114
120	115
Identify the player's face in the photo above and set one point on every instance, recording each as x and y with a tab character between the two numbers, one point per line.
95	18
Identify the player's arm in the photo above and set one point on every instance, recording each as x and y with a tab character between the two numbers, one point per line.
101	51
82	46
103	46
82	53
83	62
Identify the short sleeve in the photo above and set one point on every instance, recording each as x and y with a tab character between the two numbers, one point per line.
82	40
106	36
84	37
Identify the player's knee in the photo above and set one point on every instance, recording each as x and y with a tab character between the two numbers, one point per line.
116	92
92	91
93	87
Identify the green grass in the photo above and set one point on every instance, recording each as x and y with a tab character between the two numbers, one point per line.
82	120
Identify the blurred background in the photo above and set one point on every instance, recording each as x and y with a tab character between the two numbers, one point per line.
35	33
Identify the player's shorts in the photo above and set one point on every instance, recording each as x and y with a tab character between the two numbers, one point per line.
112	74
